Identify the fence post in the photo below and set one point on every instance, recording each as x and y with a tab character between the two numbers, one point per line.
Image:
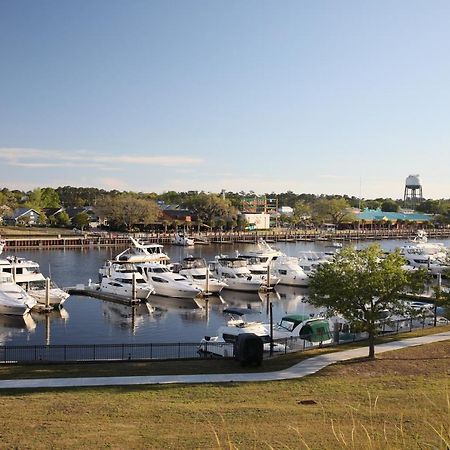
123	351
151	351
179	349
65	350
94	351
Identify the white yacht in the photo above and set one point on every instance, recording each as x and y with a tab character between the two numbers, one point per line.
420	253
27	274
234	271
223	343
259	270
264	252
434	264
197	271
13	299
141	252
288	269
123	279
310	261
167	283
183	240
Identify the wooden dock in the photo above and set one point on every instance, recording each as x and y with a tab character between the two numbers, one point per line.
94	292
97	240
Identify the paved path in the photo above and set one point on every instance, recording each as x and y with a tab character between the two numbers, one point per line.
302	369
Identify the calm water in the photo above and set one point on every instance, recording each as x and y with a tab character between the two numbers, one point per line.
87	320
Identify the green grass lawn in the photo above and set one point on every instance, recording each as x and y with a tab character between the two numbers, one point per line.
399	401
125	368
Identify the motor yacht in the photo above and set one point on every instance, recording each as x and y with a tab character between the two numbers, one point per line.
123	279
141	252
260	270
264	252
14	300
235	273
183	240
288	270
223	343
197	271
310	261
166	282
27	274
434	263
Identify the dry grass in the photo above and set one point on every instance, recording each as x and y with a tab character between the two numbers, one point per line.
399	401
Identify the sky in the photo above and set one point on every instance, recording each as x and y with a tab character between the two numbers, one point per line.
314	96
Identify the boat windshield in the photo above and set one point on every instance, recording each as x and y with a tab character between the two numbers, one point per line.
286	324
159	269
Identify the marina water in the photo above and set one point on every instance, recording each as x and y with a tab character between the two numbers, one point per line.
85	320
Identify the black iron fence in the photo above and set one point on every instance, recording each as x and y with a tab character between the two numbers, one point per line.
178	351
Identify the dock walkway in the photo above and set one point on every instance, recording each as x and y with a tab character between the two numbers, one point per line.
93	240
302	369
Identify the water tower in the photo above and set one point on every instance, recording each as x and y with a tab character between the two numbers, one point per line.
413	191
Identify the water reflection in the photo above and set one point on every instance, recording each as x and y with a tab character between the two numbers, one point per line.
243	299
173	320
11	326
129	317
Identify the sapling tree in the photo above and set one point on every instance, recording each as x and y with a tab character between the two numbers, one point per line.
361	285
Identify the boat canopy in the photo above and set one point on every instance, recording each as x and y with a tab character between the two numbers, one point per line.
316	331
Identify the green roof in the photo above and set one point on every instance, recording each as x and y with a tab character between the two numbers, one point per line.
377	214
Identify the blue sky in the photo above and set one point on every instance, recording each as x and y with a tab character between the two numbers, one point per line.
309	96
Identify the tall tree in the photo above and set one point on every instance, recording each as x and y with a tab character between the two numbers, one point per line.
49	198
125	211
334	210
207	208
361	286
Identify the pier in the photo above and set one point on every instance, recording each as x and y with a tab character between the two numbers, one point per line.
92	240
94	292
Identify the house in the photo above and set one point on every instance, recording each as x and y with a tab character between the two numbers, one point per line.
174	212
257	221
23	216
286	211
96	218
52	212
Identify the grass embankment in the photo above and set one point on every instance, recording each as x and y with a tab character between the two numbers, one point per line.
125	368
399	401
21	232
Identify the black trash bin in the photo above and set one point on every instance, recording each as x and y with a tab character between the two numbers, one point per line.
248	348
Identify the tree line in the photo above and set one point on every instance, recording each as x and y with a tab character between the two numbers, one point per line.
126	209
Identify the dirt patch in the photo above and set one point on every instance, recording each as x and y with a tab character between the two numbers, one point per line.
432	359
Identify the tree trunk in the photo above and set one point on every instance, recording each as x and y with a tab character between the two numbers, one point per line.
371	345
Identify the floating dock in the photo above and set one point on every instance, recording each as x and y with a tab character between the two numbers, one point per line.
94	292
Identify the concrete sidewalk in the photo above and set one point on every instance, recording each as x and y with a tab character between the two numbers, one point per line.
302	369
